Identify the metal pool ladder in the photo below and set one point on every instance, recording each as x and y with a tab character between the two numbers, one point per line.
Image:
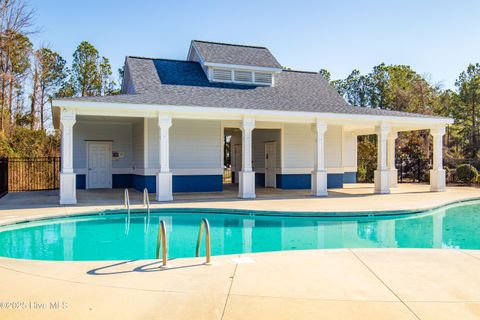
146	202
126	203
206	225
162	242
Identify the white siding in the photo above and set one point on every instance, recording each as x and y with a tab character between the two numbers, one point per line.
298	146
119	133
194	144
153	143
349	158
138	144
333	147
299	140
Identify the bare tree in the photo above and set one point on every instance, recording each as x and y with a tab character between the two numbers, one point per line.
15	26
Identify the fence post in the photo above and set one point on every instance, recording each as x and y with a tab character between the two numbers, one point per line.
4	176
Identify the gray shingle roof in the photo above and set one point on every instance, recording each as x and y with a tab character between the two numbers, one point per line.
225	53
183	83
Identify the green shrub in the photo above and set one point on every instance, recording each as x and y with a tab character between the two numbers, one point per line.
466	173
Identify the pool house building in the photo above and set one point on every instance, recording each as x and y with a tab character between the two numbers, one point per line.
169	129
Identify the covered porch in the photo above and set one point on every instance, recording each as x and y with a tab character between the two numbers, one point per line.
170	153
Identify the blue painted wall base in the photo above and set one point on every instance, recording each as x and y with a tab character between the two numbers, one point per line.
141	182
303	181
81	181
122	180
259	179
203	183
191	183
350	177
118	181
214	183
294	181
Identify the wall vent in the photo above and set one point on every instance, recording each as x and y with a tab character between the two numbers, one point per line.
263	78
243	76
222	75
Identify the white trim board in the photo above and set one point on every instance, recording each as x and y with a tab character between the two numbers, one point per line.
196	112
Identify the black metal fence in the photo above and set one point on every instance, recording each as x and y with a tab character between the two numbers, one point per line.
32	174
3	176
468	177
413	170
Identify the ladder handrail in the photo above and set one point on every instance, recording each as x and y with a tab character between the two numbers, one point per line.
162	242
126	203
206	225
126	199
146	202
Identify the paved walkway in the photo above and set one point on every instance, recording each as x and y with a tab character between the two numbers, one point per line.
321	284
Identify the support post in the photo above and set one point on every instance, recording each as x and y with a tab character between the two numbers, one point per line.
246	188
164	176
437	174
68	187
393	172
319	174
381	175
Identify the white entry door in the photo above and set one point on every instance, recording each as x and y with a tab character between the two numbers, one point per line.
99	165
270	164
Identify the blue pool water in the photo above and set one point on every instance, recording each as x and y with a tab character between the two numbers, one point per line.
109	237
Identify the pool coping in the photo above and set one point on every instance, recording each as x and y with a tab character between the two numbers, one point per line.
246	212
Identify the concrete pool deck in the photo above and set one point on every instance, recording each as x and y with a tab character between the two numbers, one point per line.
320	284
310	284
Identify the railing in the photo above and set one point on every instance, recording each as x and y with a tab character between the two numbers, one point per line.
162	242
32	174
146	202
3	176
126	203
206	225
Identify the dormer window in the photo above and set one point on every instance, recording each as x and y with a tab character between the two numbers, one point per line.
241	76
222	75
263	78
223	62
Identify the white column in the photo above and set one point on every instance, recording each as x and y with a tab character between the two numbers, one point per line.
319	174
68	188
382	174
437	174
164	176
246	187
393	173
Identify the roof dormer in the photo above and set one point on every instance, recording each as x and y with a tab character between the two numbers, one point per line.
232	63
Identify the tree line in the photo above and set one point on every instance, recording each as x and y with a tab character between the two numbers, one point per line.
31	76
400	88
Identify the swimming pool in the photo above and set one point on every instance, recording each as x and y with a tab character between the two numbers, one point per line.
109	236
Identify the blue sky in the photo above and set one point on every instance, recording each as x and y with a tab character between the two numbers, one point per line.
436	37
